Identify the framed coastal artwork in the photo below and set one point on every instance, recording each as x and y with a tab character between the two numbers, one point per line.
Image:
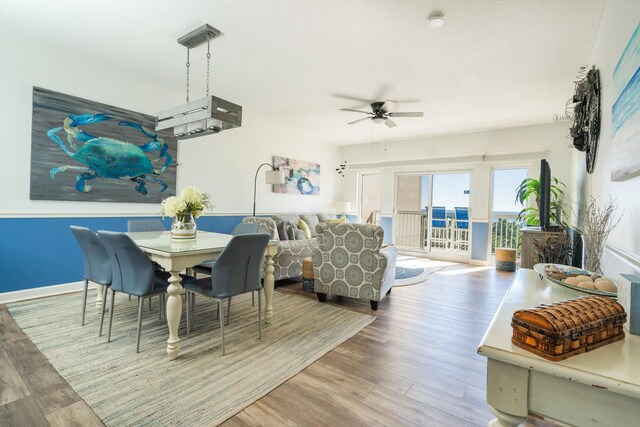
625	112
300	177
86	151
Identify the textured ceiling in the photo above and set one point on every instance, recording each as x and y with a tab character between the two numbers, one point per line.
494	64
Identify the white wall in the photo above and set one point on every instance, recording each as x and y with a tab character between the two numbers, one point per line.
618	24
223	164
476	152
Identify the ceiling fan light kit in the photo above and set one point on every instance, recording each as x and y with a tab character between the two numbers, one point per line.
204	116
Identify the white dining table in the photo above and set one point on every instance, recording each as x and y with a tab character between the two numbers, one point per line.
177	255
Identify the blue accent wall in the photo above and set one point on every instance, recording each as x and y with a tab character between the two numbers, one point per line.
479	241
386	222
37	252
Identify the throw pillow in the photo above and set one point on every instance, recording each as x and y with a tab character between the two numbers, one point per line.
282	230
337	220
291	230
299	234
305	228
312	221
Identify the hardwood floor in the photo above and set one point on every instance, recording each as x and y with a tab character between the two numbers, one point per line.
415	365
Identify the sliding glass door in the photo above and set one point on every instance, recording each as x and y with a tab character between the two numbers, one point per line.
432	213
370	198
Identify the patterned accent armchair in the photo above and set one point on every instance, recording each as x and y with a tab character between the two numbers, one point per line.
289	254
349	262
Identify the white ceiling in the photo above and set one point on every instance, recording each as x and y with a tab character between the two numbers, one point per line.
494	64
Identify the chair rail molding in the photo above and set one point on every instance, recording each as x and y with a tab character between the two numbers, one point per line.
628	257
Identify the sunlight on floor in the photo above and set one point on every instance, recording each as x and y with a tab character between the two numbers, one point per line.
467	270
416	262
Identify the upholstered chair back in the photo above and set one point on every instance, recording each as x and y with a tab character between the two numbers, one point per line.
133	271
97	267
348	261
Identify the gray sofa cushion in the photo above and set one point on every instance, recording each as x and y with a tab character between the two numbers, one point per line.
287	218
322	217
312	221
299	234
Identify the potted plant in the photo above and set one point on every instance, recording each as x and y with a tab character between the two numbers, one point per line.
530	187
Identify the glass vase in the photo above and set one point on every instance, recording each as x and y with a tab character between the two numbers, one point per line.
592	254
183	227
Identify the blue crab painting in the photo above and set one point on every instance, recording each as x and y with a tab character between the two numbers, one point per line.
105	157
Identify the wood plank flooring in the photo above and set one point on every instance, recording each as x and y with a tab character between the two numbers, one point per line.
415	365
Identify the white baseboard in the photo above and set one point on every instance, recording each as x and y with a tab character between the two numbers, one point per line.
45	291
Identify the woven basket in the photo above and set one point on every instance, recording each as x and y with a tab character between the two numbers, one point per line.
561	330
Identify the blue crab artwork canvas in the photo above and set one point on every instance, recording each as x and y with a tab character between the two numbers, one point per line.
88	151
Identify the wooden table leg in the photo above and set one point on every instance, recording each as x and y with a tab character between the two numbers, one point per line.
268	283
507	393
174	313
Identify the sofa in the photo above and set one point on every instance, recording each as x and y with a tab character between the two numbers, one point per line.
290	252
349	261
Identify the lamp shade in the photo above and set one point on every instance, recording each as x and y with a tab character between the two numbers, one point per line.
274	177
343	206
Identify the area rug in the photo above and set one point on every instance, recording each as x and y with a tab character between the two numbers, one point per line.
414	270
201	387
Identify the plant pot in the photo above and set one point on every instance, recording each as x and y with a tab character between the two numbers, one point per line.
183	227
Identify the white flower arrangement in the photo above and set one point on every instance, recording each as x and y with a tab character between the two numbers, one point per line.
191	201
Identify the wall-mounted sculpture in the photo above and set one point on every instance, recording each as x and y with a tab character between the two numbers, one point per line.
586	117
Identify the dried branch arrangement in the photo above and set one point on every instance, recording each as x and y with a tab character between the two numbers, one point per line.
596	224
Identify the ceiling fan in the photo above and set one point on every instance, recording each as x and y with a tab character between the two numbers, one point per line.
381	113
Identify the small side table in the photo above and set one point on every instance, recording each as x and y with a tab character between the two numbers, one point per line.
307	275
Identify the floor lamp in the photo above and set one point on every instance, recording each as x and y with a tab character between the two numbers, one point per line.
274	176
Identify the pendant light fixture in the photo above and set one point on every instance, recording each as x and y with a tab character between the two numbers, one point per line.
204	116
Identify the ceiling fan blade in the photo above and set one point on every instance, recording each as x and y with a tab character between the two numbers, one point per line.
359	120
407	114
355	111
388	106
361	101
390	123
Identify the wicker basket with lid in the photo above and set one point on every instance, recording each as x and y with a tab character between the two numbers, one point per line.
561	330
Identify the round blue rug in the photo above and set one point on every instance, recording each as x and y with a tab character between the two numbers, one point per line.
407	273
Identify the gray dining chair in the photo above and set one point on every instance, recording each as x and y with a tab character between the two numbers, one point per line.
136	225
235	272
133	274
205	267
145	225
97	266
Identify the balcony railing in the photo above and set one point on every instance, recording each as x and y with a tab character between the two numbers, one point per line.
413	231
505	232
